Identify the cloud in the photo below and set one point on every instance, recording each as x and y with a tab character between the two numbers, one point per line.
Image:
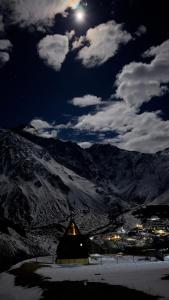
53	50
148	134
78	42
2	28
139	82
111	117
5	47
70	34
41	128
103	43
87	100
85	145
4	58
35	12
141	30
39	124
145	132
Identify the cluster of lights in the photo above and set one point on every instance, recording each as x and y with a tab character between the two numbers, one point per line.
114	238
161	232
131	239
155	218
139	226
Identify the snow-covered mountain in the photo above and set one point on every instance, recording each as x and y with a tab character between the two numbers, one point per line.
43	182
35	189
126	176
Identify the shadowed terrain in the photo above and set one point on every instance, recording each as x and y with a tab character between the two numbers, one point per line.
25	276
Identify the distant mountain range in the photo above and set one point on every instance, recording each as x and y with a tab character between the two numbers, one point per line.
46	181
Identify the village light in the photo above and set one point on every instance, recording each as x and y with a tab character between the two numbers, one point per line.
113	238
154	218
161	232
108	238
117	237
131	239
139	226
121	230
81	245
91	238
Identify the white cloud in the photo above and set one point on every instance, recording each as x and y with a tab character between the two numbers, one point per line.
36	12
5	45
4	58
139	82
112	117
39	124
78	42
136	83
70	34
41	128
141	30
48	134
2	28
149	134
104	42
87	100
85	145
53	50
146	132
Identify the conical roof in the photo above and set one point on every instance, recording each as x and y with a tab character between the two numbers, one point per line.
72	245
72	229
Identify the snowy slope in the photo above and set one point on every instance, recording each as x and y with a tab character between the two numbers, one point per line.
43	182
125	176
138	276
142	276
163	199
35	189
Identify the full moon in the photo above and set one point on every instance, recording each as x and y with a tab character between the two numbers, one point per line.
80	16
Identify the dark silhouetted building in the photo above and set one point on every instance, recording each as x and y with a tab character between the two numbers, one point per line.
72	247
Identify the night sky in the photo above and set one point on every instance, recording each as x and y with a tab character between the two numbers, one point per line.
87	71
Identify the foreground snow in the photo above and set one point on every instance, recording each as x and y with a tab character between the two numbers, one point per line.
8	290
139	275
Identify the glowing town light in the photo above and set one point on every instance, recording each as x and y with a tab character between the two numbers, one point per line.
139	226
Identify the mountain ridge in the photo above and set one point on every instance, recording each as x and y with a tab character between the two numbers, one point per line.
39	172
45	182
101	163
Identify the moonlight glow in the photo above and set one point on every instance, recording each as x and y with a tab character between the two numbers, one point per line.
80	15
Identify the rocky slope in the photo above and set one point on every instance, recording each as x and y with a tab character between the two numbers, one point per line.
44	182
129	177
35	189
